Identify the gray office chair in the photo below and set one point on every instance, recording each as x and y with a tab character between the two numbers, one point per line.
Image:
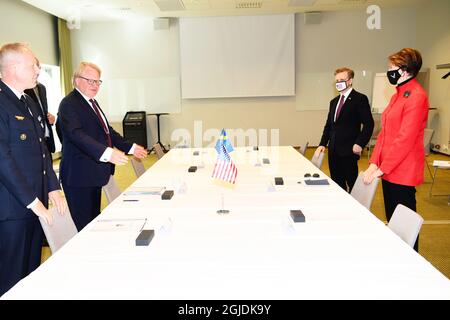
304	147
375	133
61	231
111	189
364	193
406	223
138	166
427	135
317	161
56	169
433	179
158	150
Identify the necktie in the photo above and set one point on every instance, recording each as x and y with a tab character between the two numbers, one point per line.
24	101
339	108
41	111
102	122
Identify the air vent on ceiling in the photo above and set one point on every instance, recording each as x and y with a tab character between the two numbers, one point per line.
352	1
170	5
248	4
300	3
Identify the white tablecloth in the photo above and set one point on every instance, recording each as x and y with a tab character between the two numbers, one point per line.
256	251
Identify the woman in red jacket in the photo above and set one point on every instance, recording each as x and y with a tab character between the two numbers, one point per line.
399	156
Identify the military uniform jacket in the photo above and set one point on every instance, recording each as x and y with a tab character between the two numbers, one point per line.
25	165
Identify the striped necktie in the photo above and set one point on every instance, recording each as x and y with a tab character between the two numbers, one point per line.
102	122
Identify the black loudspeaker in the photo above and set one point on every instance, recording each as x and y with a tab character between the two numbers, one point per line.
161	23
313	17
135	127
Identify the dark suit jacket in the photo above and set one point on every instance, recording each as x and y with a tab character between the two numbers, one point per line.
43	97
346	131
83	143
26	170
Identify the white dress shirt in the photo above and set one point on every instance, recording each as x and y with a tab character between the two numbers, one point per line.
345	98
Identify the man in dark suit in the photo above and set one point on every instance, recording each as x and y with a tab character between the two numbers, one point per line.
27	179
343	133
90	146
39	95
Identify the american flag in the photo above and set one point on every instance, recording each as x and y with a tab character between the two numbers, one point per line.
224	168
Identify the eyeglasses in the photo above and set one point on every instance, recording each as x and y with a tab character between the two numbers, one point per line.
91	81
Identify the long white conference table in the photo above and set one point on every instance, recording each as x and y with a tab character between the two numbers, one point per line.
255	251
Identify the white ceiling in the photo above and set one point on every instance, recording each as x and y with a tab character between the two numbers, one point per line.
101	10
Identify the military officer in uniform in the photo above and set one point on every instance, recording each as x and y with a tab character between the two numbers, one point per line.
27	179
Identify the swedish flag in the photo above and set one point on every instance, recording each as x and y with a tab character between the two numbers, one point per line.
223	141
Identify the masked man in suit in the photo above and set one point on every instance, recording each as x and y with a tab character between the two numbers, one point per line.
348	129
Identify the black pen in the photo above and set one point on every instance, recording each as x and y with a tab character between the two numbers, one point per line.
130	200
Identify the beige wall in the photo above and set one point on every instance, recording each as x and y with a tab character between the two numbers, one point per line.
341	39
20	22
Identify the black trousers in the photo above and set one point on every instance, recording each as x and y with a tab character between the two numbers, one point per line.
343	170
20	250
395	194
84	204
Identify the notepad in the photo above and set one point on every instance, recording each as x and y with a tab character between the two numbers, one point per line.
316	182
136	191
116	225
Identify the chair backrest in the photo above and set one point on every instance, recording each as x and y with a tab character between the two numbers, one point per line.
364	193
111	189
427	135
406	223
317	161
304	147
61	231
158	150
376	126
56	170
138	166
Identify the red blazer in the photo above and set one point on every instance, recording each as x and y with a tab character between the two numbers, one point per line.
399	151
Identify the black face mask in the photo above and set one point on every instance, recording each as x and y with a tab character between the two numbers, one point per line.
393	76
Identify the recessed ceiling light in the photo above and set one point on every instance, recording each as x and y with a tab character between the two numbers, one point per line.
248	4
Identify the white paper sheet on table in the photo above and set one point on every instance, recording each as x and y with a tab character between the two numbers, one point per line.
114	225
135	191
